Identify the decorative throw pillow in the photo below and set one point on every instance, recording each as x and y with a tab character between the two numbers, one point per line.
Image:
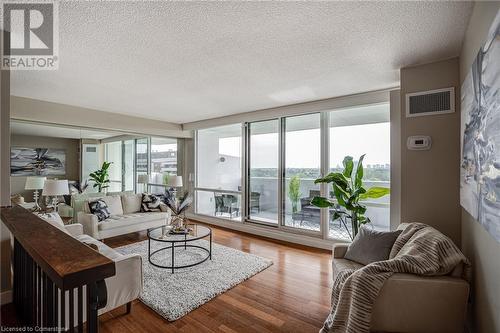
370	245
100	209
151	203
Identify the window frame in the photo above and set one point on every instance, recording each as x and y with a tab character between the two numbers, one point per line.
323	233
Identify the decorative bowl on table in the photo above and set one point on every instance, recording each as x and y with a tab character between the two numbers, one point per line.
180	230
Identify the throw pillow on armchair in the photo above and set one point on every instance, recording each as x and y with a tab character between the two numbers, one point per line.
371	245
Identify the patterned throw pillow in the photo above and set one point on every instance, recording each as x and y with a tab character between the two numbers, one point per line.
151	203
100	209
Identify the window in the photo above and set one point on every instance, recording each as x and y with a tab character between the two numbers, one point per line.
90	162
282	158
218	165
142	164
302	166
128	165
113	154
263	171
163	162
358	131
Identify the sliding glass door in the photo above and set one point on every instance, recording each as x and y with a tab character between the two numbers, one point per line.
302	165
113	154
263	173
163	162
218	176
363	130
129	165
142	164
282	158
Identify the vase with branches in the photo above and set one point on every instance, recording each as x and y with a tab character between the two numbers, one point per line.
101	177
294	193
178	206
349	194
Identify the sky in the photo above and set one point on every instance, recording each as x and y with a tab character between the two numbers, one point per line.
303	147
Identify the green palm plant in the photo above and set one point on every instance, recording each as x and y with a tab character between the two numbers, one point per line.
294	192
349	194
101	177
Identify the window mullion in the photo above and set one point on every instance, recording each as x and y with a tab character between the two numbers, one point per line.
325	156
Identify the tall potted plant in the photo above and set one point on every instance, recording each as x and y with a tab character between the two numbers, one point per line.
101	177
349	194
294	192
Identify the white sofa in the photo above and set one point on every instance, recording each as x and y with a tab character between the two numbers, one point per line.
126	284
126	217
122	288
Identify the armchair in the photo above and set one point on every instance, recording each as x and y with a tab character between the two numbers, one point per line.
411	303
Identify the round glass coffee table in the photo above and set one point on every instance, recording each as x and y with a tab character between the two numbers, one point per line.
181	242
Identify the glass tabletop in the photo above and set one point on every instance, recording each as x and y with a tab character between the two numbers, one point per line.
162	234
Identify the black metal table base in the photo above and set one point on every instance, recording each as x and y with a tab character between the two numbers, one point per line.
172	247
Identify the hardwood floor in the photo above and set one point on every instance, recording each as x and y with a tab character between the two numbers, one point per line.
293	295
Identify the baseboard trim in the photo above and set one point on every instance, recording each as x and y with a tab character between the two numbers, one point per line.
268	232
6	297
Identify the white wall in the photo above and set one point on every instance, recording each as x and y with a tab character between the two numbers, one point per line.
54	113
5	276
429	179
477	244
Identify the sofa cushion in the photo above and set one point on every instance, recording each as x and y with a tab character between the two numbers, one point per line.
370	245
339	265
101	247
118	221
114	203
100	209
131	203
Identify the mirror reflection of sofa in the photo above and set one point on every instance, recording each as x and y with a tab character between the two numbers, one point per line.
126	215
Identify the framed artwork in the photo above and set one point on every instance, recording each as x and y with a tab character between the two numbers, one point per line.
37	162
480	135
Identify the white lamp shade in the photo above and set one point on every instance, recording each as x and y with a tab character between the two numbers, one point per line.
34	183
55	187
143	179
174	181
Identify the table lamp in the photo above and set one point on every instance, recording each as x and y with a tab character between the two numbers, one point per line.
54	188
174	182
35	183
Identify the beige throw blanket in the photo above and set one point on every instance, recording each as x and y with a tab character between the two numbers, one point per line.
419	249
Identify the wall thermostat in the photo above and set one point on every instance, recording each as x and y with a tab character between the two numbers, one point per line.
419	142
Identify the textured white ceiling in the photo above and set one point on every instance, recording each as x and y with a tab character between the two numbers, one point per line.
188	61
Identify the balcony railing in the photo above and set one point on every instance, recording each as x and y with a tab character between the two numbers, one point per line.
267	206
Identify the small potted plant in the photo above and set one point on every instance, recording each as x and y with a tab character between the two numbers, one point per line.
294	193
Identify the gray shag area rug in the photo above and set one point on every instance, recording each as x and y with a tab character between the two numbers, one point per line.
175	295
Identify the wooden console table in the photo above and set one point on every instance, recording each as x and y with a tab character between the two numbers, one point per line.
52	271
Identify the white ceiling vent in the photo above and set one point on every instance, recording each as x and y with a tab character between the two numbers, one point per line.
432	102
